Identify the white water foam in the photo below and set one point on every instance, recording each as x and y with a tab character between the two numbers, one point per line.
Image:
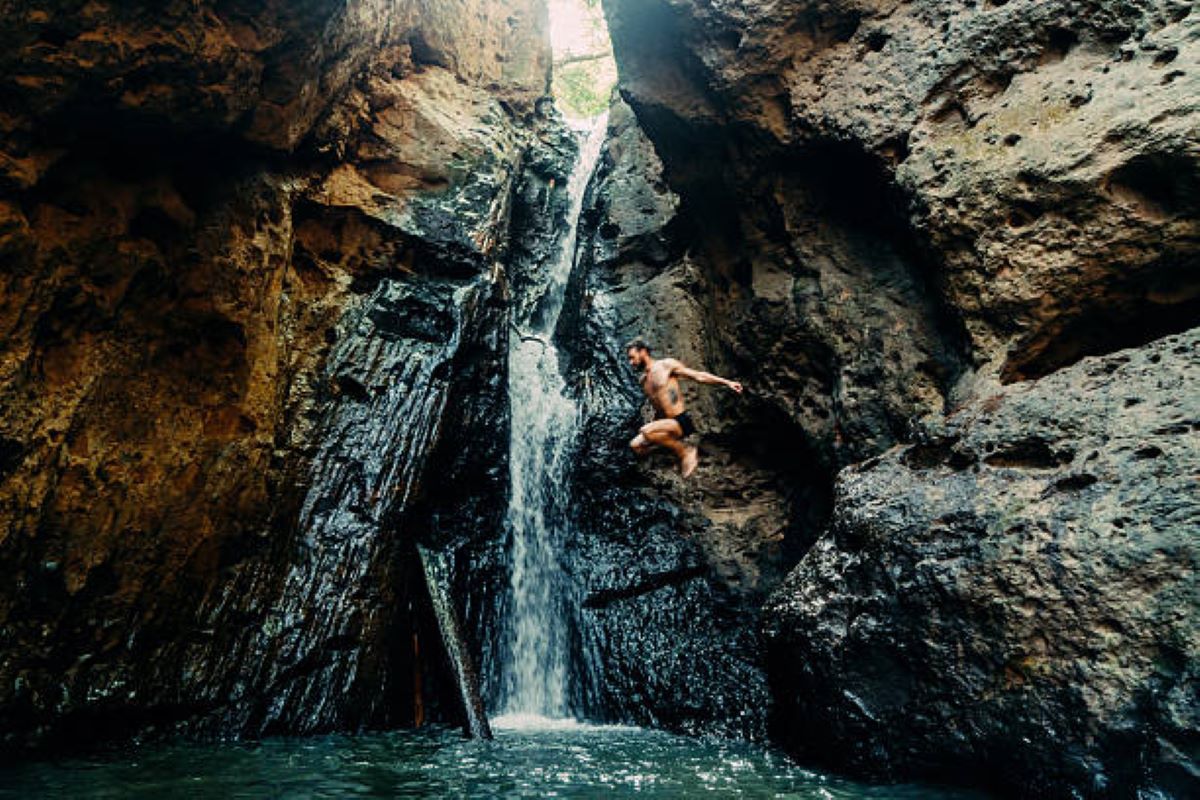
533	723
536	650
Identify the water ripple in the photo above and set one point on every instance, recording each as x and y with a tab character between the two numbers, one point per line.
564	759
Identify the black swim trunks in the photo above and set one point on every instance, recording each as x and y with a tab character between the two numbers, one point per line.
685	421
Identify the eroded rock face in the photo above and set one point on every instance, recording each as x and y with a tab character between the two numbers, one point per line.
1013	599
885	212
235	238
1026	172
265	71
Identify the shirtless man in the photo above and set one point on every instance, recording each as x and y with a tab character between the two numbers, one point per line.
672	424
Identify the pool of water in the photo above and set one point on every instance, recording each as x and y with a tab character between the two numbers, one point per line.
528	758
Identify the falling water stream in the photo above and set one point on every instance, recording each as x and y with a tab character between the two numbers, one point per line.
536	660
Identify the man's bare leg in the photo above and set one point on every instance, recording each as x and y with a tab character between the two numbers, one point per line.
667	433
640	445
690	460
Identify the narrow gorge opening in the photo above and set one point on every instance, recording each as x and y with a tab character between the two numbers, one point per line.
540	658
584	71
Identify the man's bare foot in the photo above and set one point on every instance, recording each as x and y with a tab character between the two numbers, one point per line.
689	462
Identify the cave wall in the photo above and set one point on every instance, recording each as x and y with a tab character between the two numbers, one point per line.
886	218
1024	171
248	248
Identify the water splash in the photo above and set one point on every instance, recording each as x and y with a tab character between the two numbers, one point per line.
530	723
536	661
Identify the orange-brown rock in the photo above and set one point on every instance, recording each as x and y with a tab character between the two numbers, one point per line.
199	203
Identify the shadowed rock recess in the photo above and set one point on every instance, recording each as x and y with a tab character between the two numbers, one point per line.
260	266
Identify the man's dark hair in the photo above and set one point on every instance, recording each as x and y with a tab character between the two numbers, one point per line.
637	344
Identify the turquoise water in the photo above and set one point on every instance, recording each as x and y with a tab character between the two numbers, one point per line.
543	761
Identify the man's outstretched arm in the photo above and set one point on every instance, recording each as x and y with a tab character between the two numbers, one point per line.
699	376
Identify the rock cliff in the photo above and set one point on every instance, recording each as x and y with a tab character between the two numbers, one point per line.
259	263
1012	598
236	236
674	571
887	219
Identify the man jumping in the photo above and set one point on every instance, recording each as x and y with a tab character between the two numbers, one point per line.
672	424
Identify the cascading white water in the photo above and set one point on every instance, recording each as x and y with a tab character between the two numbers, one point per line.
536	649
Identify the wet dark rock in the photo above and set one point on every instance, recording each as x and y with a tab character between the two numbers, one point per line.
249	296
413	318
672	574
331	645
1028	622
539	214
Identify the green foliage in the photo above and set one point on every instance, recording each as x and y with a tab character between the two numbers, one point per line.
583	89
584	70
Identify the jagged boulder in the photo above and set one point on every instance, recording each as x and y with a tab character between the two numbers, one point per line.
1013	599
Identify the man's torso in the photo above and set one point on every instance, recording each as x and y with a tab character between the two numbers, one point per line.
663	389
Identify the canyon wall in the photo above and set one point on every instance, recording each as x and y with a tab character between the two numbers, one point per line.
249	295
940	243
673	571
258	262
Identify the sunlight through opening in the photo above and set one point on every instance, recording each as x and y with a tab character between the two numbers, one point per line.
584	69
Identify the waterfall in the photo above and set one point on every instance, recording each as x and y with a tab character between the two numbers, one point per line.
536	646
